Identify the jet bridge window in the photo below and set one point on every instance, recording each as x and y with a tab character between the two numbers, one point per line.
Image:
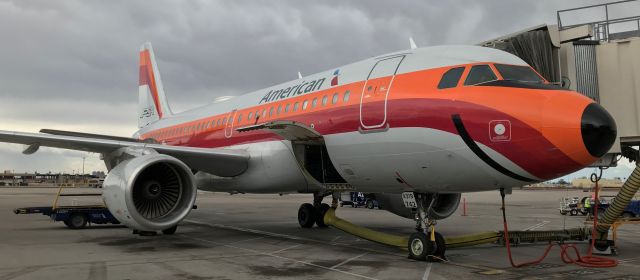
518	73
479	74
450	78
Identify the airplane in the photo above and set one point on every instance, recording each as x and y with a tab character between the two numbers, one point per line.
416	127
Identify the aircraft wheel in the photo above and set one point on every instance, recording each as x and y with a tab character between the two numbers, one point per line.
323	210
574	212
170	230
307	215
77	221
370	204
420	246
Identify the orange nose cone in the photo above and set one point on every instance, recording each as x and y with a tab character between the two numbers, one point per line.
578	127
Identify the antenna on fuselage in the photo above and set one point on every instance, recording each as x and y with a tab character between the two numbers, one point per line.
412	43
299	75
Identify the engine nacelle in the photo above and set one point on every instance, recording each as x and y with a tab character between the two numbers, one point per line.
150	192
444	206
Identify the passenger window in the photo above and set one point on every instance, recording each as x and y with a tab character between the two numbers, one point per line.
346	96
304	104
264	113
239	118
314	103
279	109
219	122
335	98
450	78
479	74
271	112
286	108
324	100
250	117
295	107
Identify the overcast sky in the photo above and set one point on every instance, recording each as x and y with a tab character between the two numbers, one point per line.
73	65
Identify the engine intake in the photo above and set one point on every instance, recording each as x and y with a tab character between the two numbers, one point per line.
150	192
443	206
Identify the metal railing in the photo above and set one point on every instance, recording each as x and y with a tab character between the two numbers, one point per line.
602	28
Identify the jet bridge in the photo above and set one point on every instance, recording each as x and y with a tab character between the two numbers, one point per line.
594	50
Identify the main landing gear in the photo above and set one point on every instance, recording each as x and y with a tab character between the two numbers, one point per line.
310	214
426	243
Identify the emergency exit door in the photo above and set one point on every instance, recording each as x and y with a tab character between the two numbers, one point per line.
375	93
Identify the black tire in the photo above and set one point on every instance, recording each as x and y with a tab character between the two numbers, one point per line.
441	248
420	247
370	204
584	212
170	230
320	219
77	221
307	215
574	212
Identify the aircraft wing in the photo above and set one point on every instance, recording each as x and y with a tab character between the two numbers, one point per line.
221	162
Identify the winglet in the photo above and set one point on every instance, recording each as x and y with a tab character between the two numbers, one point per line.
412	43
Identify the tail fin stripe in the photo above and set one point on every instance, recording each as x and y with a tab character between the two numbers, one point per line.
147	78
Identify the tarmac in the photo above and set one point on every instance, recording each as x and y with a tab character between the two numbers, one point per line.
257	237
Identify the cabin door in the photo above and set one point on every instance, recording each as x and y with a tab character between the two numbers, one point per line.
375	93
228	128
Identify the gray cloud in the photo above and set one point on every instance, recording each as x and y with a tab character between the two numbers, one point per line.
73	64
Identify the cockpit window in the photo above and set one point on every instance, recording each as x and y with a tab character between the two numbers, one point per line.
450	78
479	74
518	73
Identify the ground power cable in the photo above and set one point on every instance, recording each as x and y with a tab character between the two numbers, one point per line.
588	260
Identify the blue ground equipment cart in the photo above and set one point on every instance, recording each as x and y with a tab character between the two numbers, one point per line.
74	216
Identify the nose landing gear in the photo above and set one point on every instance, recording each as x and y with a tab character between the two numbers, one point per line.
310	214
426	243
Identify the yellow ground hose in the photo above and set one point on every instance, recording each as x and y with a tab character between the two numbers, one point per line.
371	235
611	214
401	241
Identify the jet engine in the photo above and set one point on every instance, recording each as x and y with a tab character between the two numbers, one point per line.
445	205
150	192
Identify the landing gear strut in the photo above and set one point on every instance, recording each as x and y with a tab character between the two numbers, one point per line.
426	243
309	214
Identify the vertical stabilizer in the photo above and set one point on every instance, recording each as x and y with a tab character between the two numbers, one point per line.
152	102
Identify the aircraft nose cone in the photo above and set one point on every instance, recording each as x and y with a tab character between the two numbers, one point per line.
598	130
